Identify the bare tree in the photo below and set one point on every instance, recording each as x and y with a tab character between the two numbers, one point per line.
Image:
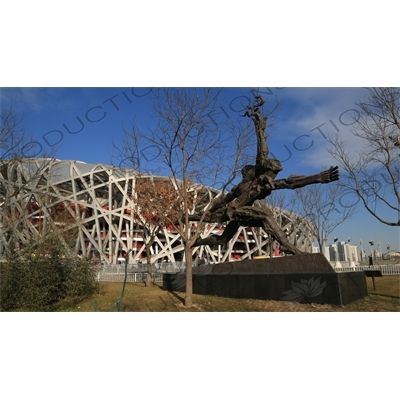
15	175
372	171
323	209
196	152
156	205
12	135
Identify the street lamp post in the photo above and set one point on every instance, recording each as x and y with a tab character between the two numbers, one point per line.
371	243
336	251
119	301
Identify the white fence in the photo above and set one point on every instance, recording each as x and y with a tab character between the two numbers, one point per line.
130	277
136	272
393	269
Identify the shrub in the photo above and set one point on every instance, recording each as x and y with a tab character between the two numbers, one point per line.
42	274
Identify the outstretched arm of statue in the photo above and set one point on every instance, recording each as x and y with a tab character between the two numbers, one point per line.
262	147
298	181
260	125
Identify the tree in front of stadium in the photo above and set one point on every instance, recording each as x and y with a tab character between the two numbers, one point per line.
17	172
195	151
156	204
323	208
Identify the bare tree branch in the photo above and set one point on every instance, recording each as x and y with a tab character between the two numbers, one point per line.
17	173
372	171
323	207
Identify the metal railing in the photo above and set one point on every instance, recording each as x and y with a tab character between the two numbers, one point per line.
130	277
393	269
137	272
142	267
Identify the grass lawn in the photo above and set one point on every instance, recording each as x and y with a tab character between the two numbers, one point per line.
386	297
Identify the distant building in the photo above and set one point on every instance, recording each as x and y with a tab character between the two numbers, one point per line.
315	249
341	251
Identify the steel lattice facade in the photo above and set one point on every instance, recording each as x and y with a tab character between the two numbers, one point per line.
94	202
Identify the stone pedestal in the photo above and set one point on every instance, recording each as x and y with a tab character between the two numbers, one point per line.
307	278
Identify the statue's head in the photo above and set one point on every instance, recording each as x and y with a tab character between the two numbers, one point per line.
274	165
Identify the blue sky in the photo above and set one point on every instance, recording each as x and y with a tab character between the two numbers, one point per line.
80	123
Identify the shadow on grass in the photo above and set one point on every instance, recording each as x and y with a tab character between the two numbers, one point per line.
384	295
158	284
180	298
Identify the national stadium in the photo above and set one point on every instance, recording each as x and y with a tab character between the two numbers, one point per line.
95	205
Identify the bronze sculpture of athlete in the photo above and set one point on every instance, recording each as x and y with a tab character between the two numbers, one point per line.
257	183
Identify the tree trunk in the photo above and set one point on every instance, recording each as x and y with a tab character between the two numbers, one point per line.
189	281
148	258
321	246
